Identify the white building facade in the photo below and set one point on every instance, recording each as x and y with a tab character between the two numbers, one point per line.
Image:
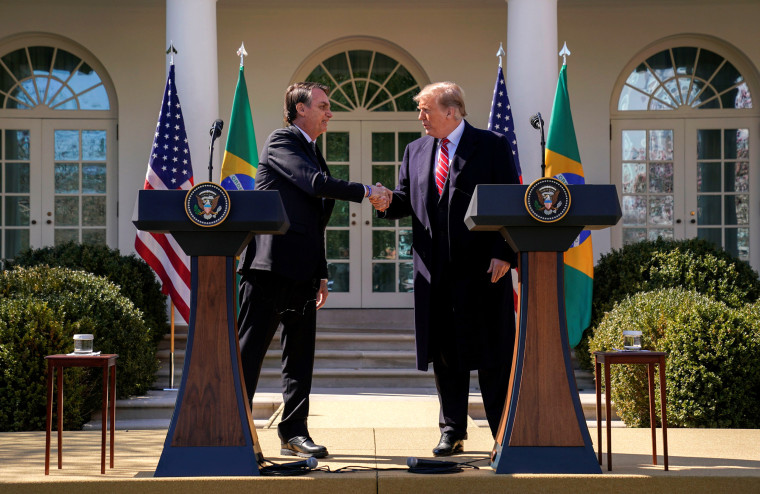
665	100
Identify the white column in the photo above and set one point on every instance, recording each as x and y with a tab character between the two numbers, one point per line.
191	26
532	71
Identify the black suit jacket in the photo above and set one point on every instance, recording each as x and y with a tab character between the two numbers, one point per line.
483	319
289	165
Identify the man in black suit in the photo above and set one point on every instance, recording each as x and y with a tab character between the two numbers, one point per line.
284	277
464	308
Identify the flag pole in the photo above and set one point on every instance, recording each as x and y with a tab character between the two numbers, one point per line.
171	348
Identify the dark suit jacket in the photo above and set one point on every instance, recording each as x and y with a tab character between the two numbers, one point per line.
483	320
289	165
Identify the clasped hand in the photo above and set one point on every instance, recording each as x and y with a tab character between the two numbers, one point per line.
381	197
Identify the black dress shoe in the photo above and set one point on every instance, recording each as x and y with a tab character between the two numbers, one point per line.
302	446
449	445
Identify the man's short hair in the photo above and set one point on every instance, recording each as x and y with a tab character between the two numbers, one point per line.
446	94
300	92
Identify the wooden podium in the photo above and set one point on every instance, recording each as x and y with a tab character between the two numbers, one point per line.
211	431
543	429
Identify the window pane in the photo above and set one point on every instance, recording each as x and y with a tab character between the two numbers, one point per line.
63	235
737	242
17	211
631	100
94	236
634	235
737	209
67	145
67	211
661	177
663	233
94	145
737	143
93	179
337	146
17	145
385	174
661	145
15	242
708	144
406	277
383	277
94	99
384	244
66	178
405	244
93	211
17	177
712	235
634	145
337	244
708	177
338	276
360	62
737	177
382	146
634	210
661	210
708	210
337	66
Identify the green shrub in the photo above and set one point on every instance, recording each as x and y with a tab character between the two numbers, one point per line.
41	308
130	273
713	369
692	264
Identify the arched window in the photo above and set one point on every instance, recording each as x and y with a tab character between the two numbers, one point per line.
51	77
366	79
58	114
684	76
683	133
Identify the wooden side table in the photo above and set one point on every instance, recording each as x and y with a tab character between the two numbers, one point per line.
631	357
107	362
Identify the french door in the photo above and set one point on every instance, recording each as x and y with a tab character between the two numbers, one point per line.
369	259
57	183
686	178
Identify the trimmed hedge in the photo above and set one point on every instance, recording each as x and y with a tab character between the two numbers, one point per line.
130	273
713	369
41	308
650	265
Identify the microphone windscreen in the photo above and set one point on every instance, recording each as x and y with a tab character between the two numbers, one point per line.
312	462
411	462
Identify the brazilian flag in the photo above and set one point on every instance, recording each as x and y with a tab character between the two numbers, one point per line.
563	162
240	156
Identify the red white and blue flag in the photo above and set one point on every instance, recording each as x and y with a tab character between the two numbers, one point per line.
169	167
500	120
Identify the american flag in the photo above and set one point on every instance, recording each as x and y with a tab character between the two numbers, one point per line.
169	167
500	120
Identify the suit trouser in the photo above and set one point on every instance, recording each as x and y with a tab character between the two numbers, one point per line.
266	301
453	385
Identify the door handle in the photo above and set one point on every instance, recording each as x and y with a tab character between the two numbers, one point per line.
34	222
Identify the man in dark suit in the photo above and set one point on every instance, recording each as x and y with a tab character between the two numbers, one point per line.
284	277
464	310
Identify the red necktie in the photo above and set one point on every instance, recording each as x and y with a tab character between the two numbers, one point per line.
442	168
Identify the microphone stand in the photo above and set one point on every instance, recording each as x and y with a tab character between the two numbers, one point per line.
543	149
211	158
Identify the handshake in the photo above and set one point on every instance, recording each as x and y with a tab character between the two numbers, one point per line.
381	197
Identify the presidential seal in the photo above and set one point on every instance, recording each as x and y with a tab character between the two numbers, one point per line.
207	204
547	200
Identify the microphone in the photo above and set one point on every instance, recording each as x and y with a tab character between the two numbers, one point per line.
309	463
216	128
413	462
216	131
536	121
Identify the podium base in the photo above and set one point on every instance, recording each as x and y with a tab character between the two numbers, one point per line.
212	461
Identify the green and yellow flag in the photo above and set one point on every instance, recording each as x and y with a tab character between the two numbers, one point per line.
240	156
563	162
